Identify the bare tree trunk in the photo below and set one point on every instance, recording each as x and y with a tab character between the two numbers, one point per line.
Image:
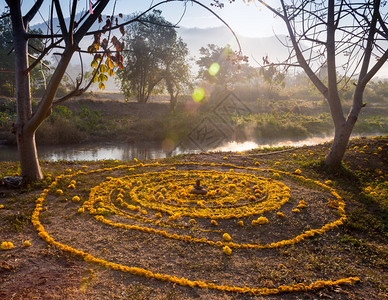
28	157
28	122
338	147
344	130
173	102
25	137
373	30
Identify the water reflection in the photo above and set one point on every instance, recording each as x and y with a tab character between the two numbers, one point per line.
139	150
95	152
248	145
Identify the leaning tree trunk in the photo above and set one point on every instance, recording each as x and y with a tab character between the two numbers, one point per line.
29	162
338	147
25	137
344	130
28	122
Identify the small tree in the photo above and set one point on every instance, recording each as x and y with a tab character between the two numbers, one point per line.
66	41
176	75
154	53
342	40
221	66
273	77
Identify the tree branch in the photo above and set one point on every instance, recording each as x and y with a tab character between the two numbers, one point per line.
31	14
368	76
369	46
62	23
42	55
72	20
83	29
36	59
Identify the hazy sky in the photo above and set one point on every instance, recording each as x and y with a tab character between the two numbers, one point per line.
248	20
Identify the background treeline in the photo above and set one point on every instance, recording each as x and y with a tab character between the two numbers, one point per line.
295	112
156	100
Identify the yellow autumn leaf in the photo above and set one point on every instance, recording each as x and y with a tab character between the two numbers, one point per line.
94	64
103	68
109	63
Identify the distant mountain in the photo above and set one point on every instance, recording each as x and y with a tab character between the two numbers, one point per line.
195	38
254	48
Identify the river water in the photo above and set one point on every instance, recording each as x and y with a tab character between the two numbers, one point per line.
143	150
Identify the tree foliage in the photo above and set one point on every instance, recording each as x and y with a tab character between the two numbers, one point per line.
273	76
7	60
222	66
176	71
154	55
7	64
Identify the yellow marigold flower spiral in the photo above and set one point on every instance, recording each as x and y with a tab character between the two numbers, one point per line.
226	237
227	250
6	245
76	199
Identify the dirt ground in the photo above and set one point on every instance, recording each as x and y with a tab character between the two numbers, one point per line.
42	271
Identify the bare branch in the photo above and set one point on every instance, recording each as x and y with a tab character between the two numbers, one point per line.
372	72
72	20
369	47
43	54
5	16
62	23
30	15
36	59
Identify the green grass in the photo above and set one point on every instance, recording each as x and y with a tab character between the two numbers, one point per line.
17	222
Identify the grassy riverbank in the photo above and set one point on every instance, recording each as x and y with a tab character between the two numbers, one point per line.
107	117
139	238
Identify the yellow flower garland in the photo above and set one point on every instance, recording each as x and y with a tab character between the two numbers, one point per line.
226	246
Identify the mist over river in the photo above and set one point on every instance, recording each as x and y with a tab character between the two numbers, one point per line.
139	150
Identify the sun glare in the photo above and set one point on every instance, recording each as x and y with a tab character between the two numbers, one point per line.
198	94
214	68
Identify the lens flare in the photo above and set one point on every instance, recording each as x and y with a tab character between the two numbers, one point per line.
168	145
214	68
198	94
